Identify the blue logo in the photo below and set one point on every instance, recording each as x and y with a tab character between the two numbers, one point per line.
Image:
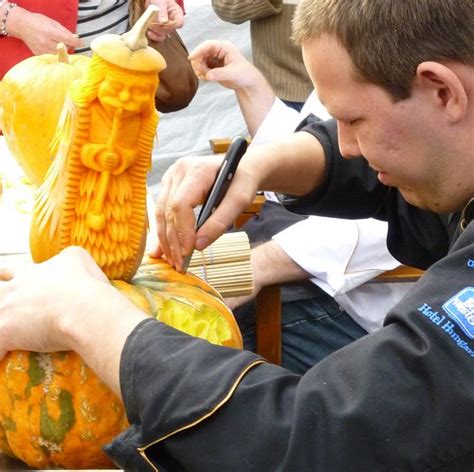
461	309
470	263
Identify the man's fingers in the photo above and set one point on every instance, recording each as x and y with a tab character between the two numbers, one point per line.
239	196
171	206
175	257
156	252
235	201
180	220
222	74
206	48
183	187
160	214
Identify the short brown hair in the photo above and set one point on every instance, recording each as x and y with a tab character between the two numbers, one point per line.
388	39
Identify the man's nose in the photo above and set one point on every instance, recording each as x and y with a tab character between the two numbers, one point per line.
348	144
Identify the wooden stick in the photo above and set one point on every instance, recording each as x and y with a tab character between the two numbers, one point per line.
226	265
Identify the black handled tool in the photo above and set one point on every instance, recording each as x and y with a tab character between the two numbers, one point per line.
224	177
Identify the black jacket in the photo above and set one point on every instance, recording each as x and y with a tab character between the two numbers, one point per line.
401	399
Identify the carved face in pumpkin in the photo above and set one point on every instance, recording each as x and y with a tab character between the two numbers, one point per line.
120	90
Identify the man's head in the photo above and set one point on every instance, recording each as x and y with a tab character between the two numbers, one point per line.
386	40
399	78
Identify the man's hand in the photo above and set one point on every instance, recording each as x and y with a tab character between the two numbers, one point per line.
184	186
40	33
169	17
235	302
34	297
66	303
221	61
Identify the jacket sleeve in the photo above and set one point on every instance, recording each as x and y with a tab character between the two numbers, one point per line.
239	11
399	399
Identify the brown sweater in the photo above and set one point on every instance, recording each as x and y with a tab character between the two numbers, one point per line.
274	53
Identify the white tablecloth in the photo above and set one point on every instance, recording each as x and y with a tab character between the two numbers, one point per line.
15	205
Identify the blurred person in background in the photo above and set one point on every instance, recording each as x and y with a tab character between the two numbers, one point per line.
274	53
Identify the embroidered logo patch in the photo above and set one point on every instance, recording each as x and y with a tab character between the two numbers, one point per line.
461	309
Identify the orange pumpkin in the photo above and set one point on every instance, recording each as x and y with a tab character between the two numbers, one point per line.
32	95
54	411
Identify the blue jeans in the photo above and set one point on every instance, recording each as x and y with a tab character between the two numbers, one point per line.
311	329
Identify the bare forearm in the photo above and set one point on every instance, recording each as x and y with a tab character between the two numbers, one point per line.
115	317
293	165
255	102
271	265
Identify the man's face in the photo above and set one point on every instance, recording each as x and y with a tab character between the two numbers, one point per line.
403	141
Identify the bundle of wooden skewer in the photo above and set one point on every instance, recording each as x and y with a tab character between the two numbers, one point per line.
225	265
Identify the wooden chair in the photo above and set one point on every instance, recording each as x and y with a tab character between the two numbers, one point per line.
268	304
401	274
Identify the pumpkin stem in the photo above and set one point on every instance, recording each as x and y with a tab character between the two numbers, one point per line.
136	37
62	54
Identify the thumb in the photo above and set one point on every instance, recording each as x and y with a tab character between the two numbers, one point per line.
221	220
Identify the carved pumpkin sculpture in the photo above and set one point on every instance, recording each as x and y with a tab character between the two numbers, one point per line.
94	194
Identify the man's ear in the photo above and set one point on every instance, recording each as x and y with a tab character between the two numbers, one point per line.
445	86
